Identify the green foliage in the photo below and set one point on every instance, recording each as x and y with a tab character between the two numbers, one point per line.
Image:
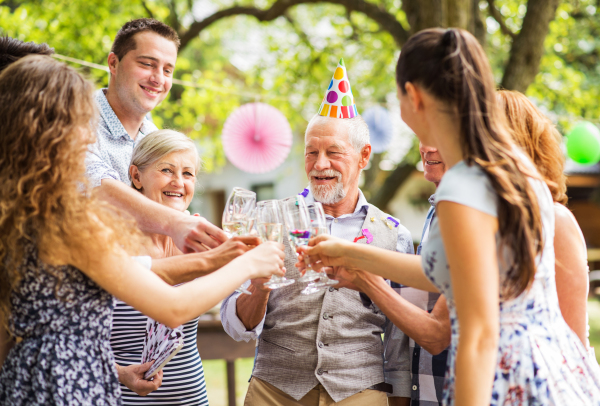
288	62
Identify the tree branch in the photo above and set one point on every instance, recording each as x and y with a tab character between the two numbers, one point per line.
298	30
528	46
385	20
496	15
148	11
173	16
388	190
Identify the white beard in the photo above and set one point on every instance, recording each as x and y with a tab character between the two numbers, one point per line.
327	194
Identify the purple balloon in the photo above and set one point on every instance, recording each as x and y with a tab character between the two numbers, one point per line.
332	97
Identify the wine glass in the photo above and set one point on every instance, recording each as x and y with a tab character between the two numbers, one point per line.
318	227
269	223
296	219
237	217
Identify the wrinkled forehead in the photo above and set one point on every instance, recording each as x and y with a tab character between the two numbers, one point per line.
324	132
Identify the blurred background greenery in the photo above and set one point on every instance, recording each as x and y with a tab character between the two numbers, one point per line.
283	53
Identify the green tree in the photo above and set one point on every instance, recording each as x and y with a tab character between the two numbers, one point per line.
282	52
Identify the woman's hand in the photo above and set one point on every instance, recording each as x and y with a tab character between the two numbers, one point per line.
265	260
328	250
132	376
230	250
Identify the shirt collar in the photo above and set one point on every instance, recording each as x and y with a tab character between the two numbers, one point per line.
362	203
432	200
115	128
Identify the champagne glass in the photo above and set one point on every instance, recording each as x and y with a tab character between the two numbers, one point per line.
237	216
269	223
296	219
318	227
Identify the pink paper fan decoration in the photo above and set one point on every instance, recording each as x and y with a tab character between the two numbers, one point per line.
257	138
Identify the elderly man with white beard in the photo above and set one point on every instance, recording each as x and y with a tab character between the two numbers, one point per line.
323	348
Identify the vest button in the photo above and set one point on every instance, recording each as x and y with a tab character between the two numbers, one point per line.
331	288
319	371
325	316
320	344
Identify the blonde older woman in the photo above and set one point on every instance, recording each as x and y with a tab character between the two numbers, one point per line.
163	168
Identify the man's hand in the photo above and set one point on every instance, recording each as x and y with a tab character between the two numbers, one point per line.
132	376
230	250
356	279
195	234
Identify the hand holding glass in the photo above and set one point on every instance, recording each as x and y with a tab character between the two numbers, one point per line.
238	216
269	223
297	221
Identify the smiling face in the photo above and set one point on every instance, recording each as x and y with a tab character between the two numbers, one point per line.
143	77
169	181
331	163
433	167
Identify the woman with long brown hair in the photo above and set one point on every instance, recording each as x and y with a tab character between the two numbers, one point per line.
490	248
64	253
539	139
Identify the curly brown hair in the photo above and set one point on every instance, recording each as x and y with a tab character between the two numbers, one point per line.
48	115
538	137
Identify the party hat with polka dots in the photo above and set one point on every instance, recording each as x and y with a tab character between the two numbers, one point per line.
339	101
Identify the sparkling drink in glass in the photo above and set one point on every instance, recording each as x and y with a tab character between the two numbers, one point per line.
238	216
269	223
297	220
318	227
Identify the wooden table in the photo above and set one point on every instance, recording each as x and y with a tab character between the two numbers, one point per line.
214	343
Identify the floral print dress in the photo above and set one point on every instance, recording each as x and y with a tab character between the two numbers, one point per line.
540	359
65	356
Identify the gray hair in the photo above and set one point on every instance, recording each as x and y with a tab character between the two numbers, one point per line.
159	143
358	130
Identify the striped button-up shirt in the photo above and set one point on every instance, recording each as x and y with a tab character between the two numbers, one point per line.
427	371
110	156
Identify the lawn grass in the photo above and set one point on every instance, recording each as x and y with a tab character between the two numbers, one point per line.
215	374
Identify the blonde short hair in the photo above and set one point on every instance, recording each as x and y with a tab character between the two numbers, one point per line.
159	143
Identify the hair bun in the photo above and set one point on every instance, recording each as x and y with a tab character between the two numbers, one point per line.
450	42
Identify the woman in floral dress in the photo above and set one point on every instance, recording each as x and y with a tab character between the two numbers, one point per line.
490	249
64	253
539	139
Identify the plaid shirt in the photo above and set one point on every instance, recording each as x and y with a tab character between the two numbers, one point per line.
427	371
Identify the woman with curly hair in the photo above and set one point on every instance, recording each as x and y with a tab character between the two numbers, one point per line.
539	139
64	253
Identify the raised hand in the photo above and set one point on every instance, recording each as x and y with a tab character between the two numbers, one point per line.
266	260
132	376
328	250
230	250
353	278
195	234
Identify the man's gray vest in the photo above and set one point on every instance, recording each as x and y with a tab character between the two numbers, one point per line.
328	337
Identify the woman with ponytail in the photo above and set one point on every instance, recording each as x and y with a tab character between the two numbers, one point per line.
490	249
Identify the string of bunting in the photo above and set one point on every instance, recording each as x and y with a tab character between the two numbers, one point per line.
180	82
